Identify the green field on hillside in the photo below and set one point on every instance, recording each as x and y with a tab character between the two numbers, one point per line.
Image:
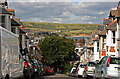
65	29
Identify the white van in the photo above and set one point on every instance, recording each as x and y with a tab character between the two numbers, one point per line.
11	62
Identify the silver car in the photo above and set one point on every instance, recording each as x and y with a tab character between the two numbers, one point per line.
108	67
89	69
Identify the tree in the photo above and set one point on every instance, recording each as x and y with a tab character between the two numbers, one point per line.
57	50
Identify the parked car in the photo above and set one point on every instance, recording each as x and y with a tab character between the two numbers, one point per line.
36	67
89	69
41	68
80	69
46	70
52	71
108	67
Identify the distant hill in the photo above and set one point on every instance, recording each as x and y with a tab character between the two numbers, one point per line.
65	29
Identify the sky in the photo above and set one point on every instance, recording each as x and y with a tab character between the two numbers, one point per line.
79	12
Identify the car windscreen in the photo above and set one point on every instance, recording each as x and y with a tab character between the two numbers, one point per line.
82	66
91	64
115	61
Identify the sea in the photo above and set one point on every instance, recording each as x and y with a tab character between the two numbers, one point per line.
78	38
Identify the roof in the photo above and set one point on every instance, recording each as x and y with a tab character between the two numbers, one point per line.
103	32
107	21
37	46
22	31
94	39
112	23
4	11
101	27
27	37
113	13
15	23
12	11
83	51
17	19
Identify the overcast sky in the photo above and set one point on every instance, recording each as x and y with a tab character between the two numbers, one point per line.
63	12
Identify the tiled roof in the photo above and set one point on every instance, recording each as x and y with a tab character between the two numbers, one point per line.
107	19
16	18
9	9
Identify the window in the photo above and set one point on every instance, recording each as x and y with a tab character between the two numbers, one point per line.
13	30
115	61
97	46
101	61
3	21
113	39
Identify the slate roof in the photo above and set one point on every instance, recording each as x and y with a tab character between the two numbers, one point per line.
107	21
15	23
112	25
27	37
103	32
101	27
4	11
113	13
22	31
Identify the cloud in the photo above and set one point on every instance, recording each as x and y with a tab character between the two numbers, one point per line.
100	13
74	1
62	12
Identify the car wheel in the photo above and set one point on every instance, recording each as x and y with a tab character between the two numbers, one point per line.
94	76
84	75
102	76
29	75
7	76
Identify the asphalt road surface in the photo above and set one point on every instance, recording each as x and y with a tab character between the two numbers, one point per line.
57	76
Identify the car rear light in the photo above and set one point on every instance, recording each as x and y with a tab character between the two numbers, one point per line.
26	64
35	66
78	69
50	71
86	68
108	63
109	76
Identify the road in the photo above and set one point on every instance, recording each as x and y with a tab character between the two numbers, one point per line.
57	76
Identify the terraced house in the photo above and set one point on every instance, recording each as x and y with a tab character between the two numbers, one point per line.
107	41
